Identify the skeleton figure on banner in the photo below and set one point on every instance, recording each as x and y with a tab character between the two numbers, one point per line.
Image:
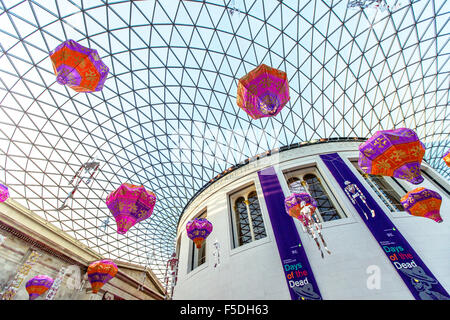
352	191
86	171
312	225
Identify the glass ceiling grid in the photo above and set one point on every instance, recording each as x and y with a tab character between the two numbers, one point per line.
167	117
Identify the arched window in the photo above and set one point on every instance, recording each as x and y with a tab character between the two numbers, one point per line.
307	180
384	190
429	175
295	185
255	214
243	226
247	217
326	209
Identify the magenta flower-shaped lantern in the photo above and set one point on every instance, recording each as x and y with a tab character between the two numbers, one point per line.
129	205
198	230
263	92
4	193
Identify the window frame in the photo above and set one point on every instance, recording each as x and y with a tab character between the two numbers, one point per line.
396	185
300	173
233	196
434	180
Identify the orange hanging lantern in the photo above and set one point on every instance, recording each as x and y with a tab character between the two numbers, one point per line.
422	202
38	285
100	272
396	153
78	67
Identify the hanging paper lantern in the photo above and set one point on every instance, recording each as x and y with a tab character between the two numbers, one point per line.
447	158
396	153
263	92
129	205
78	67
293	206
198	230
422	202
4	193
38	285
100	272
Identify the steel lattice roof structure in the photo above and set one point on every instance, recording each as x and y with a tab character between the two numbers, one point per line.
167	117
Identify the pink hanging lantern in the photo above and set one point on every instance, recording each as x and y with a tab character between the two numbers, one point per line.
263	92
293	206
129	205
198	230
4	193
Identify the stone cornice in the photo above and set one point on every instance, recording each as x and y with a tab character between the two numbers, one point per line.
32	228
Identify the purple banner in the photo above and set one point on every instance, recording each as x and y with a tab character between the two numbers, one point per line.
416	275
299	277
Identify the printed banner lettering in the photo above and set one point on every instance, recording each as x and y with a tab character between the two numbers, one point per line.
413	271
299	277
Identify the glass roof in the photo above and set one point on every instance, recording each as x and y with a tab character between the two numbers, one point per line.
167	116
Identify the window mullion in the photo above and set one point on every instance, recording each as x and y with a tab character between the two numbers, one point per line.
237	223
250	222
305	185
386	201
